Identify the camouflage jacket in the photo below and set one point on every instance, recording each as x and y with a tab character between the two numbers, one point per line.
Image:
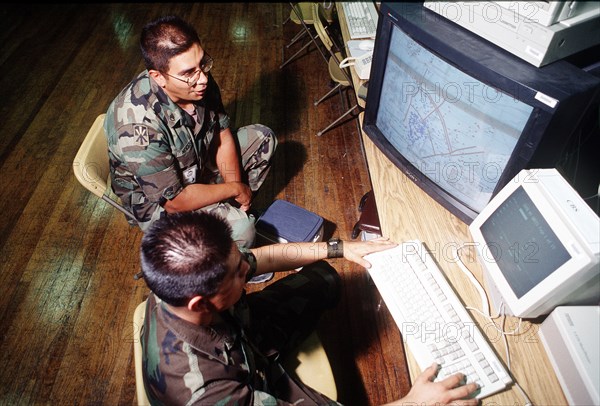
186	364
153	147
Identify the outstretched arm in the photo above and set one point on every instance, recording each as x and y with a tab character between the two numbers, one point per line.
285	257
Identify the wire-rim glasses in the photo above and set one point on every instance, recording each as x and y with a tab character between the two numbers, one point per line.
206	65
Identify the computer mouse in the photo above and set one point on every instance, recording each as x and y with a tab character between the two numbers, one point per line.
366	45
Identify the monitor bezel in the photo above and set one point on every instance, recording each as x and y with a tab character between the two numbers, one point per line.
562	281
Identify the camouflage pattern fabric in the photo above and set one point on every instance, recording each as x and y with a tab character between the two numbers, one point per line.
234	362
155	149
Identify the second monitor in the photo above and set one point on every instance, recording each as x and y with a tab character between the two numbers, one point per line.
539	244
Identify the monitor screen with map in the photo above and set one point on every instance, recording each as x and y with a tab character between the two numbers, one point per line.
460	116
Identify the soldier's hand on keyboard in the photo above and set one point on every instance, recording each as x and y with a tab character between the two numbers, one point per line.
449	391
355	250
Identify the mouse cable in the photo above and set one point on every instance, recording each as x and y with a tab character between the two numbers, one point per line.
486	314
485	305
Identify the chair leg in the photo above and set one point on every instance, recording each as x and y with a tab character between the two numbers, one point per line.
312	38
297	38
296	54
118	207
323	131
329	93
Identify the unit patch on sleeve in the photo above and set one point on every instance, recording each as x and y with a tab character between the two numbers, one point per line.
141	135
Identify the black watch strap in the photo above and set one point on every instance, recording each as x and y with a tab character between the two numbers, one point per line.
335	248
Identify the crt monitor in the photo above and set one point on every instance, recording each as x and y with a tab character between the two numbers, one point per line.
539	245
461	116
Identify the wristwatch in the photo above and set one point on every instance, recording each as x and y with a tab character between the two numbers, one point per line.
335	248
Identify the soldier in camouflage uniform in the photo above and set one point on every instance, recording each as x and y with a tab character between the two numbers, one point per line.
171	147
206	342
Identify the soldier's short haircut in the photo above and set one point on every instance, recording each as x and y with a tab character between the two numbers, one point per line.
184	255
165	38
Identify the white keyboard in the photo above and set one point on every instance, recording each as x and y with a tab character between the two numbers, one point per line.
361	18
434	323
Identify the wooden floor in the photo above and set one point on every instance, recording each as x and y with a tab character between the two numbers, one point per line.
67	292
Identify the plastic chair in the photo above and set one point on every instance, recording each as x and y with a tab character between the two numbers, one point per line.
310	363
138	322
91	165
300	14
340	76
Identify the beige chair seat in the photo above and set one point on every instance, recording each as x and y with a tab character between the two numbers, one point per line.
310	364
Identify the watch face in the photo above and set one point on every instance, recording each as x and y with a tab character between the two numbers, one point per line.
334	248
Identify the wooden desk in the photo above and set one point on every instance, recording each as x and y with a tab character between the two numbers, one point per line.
406	212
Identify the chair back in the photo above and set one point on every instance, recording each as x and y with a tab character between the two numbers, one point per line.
301	12
338	74
91	164
138	322
319	24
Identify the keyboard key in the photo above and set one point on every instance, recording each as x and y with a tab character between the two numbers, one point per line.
433	321
361	19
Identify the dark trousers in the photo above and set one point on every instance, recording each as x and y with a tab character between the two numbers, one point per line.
287	311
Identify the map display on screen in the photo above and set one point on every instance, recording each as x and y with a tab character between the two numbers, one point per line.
455	129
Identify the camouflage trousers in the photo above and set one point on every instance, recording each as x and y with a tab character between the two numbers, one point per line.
257	145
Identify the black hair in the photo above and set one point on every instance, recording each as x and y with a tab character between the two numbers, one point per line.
165	38
184	255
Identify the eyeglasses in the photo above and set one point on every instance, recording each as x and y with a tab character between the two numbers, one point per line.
206	65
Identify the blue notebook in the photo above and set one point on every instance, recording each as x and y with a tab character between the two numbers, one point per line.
286	222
